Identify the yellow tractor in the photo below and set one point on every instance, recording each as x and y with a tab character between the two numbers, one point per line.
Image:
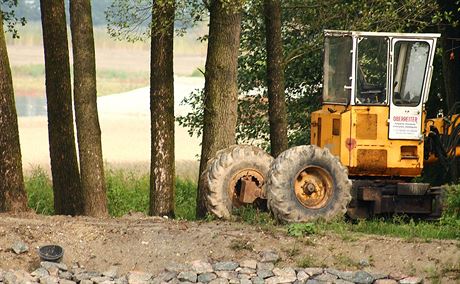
369	140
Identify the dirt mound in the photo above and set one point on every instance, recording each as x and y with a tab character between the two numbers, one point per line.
137	242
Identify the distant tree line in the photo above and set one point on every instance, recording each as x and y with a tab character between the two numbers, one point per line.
272	46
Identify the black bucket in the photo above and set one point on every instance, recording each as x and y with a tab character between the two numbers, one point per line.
52	253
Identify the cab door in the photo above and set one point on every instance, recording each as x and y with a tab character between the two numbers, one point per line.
411	65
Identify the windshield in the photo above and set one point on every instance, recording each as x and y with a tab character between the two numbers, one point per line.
337	69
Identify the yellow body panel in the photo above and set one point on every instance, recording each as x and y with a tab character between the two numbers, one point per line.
358	135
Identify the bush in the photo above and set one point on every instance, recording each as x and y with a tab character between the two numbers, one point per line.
452	202
39	192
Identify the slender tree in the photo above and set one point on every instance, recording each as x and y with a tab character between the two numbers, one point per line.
221	88
68	198
162	170
12	194
87	120
275	78
450	42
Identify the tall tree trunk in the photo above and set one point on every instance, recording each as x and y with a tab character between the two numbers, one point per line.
68	198
87	120
162	169
275	78
221	88
12	193
451	52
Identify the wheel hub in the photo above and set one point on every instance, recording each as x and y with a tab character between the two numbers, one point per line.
245	187
313	187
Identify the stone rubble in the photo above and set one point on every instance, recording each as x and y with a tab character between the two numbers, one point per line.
249	271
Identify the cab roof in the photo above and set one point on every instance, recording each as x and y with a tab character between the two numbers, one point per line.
381	34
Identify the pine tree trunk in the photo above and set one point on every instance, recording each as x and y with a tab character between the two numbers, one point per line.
275	78
162	169
68	198
451	46
12	193
221	88
87	120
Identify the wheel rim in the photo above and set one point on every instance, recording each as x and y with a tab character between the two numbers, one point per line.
313	187
235	186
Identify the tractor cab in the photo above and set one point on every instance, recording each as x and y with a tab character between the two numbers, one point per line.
374	91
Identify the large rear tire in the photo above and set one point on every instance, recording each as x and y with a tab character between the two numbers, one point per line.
306	183
224	172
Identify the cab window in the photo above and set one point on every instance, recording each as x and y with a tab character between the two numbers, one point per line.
371	70
410	62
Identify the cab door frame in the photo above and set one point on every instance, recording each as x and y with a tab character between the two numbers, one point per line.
405	122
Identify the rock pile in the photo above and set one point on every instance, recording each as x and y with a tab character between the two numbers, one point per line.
200	271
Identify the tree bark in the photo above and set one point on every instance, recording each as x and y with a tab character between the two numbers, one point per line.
12	193
221	88
87	120
450	42
275	78
68	197
162	169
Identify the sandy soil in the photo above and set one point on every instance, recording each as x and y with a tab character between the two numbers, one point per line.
151	244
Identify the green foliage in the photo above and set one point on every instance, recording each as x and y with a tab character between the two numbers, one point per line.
39	192
126	192
7	9
253	216
185	199
301	229
131	20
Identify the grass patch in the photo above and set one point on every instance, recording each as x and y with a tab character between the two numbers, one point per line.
126	192
301	229
253	216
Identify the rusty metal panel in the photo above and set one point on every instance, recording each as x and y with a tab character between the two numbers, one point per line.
366	126
335	127
372	160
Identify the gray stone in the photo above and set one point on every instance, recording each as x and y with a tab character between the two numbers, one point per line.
345	275
385	281
244	276
313	271
378	276
225	266
249	263
219	281
65	275
174	281
341	281
263	273
9	277
362	277
178	267
285	273
108	282
227	274
100	279
313	281
137	277
165	276
20	247
363	263
40	272
18	276
326	277
121	280
302	276
245	270
277	280
206	277
411	280
65	281
189	276
200	266
49	280
234	281
265	266
269	256
111	272
87	275
245	281
48	264
86	281
257	280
